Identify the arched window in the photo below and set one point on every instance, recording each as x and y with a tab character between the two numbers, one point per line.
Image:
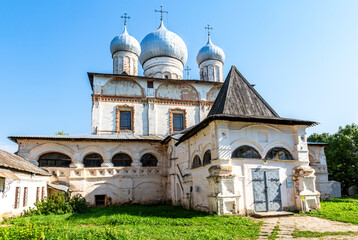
207	157
196	162
54	159
121	160
148	160
279	154
93	160
246	152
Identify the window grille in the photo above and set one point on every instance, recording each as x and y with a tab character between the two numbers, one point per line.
246	152
148	160
93	160
196	162
125	120
121	160
207	157
178	122
279	154
54	159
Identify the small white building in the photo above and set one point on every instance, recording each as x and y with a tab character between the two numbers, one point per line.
205	144
22	184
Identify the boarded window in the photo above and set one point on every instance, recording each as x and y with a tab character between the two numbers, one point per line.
246	152
93	160
125	122
25	196
42	192
148	160
279	154
196	162
178	122
37	194
17	197
207	157
54	159
2	184
122	160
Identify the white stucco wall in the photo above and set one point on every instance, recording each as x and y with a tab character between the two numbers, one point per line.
7	197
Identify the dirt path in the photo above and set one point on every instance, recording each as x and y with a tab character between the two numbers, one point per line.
287	225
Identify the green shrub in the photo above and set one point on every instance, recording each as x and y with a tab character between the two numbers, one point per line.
59	204
79	204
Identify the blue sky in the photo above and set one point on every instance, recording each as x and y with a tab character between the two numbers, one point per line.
302	55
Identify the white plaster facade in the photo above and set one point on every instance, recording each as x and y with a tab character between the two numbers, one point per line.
36	189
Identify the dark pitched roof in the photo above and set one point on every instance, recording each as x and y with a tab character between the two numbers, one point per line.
10	160
237	97
238	101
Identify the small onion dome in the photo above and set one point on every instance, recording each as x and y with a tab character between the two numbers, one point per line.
163	43
210	52
125	42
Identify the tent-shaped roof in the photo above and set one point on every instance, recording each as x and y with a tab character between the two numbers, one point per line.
237	97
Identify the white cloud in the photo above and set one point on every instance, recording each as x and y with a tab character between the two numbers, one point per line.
8	147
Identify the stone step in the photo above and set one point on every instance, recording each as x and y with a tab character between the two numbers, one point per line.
272	214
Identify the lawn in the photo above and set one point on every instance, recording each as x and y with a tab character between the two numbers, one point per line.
131	222
338	209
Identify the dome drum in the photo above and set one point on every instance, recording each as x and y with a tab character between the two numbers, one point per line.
163	67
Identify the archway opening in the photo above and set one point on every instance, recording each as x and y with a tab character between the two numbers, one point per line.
93	160
54	159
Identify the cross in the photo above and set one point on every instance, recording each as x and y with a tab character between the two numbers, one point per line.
161	12
209	29
125	18
187	69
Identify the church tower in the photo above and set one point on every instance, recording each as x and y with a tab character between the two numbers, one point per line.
164	53
125	51
210	60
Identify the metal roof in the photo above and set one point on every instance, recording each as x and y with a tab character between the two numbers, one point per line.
89	137
317	143
12	161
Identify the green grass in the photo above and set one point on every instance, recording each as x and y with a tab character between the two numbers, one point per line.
308	234
338	209
274	233
131	222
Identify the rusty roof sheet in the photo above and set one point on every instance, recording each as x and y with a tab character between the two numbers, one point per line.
10	160
89	137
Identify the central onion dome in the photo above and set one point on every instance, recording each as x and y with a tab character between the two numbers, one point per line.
125	42
210	52
163	43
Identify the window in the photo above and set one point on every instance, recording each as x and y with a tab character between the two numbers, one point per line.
279	154
121	160
17	197
42	192
177	120
54	159
2	184
125	121
207	157
148	160
150	84
93	160
100	200
196	162
37	194
246	152
25	196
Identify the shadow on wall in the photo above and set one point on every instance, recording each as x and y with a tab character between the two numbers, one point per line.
116	214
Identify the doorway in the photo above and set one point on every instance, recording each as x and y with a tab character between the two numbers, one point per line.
267	190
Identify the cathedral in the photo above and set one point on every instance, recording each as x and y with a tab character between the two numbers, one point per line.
210	144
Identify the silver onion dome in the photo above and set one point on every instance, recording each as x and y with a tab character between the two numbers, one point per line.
210	52
125	42
163	43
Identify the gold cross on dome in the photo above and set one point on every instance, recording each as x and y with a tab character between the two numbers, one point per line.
125	18
161	12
